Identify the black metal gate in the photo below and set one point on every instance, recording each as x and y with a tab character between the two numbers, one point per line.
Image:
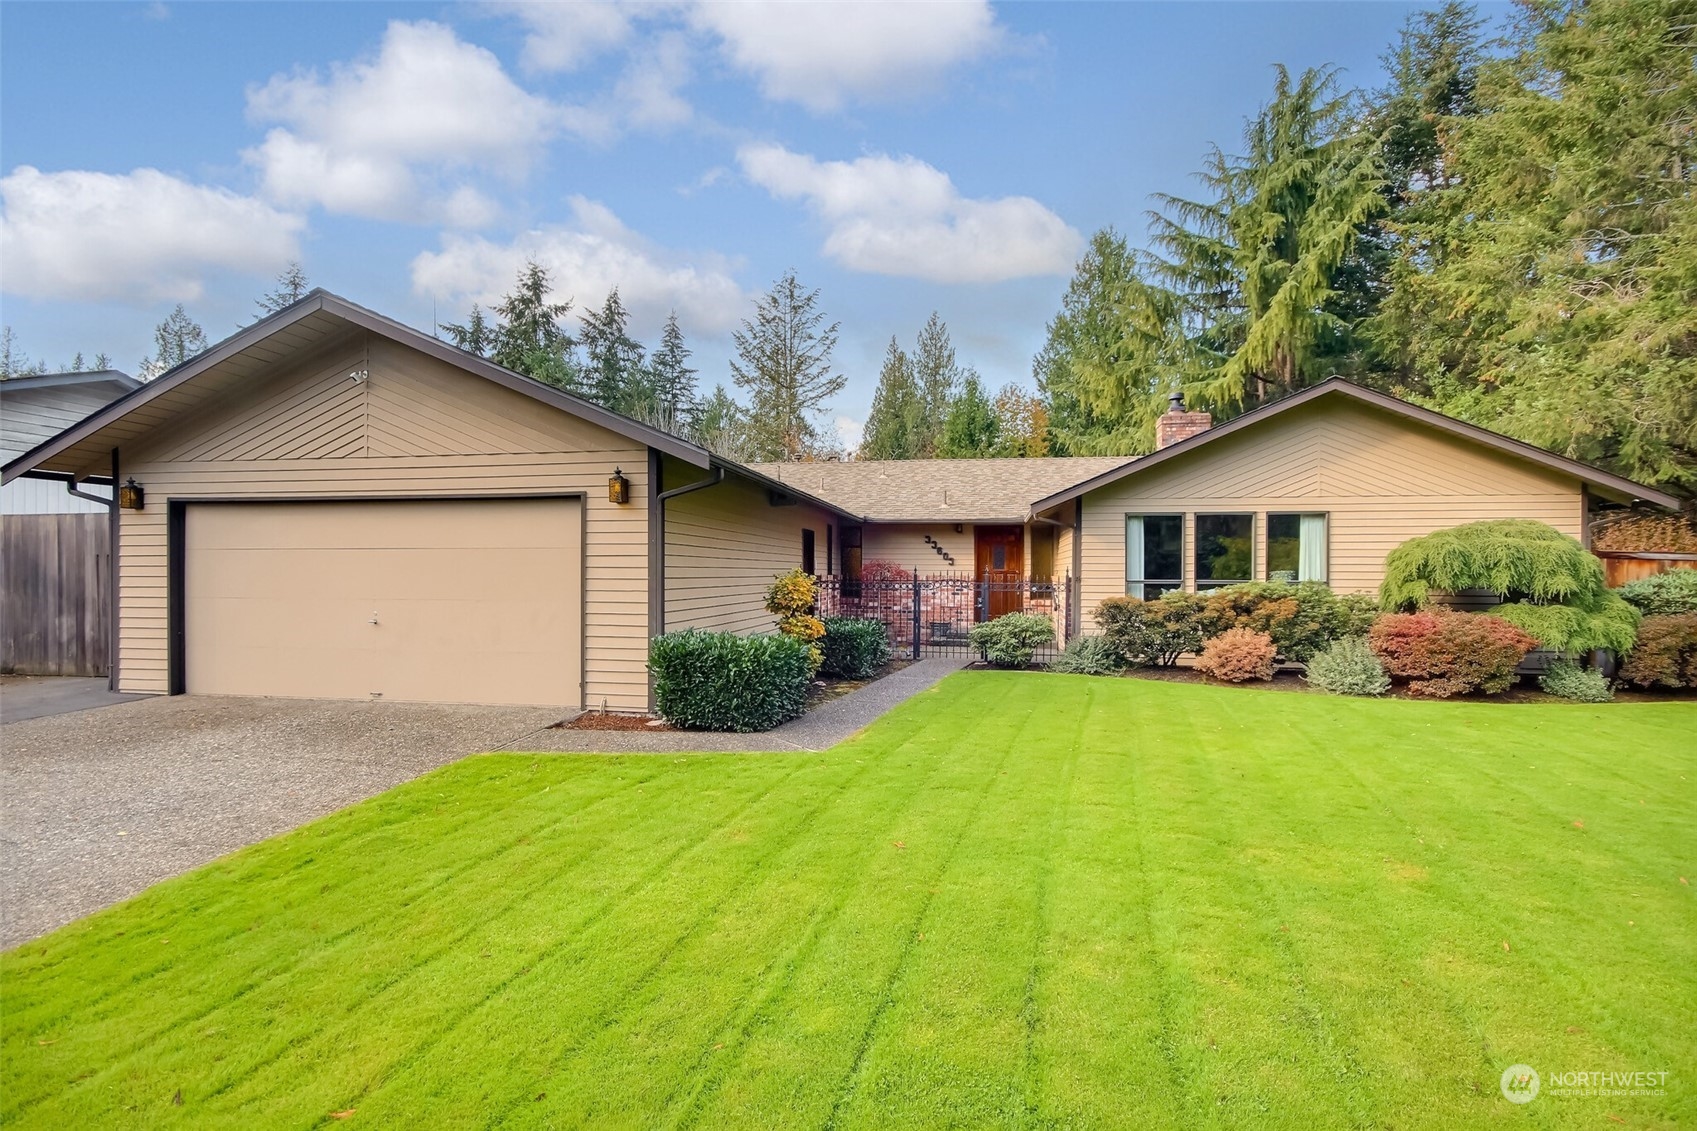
934	615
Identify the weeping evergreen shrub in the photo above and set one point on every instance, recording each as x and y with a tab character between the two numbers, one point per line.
1552	587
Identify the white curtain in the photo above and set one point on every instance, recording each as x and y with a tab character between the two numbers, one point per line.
1134	556
1311	551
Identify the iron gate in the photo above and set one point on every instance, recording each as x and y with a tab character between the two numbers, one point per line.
933	615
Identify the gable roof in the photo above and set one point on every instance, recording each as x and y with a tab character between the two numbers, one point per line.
315	317
1605	483
120	381
939	490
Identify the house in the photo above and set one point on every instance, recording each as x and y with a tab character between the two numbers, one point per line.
332	504
35	408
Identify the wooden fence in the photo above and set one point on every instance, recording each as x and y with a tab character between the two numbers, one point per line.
1622	566
55	595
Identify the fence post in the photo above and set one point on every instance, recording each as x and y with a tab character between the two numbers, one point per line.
916	614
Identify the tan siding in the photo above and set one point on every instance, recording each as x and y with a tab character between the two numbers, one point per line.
1382	480
423	428
904	544
724	544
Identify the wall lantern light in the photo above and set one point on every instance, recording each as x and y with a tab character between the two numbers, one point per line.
618	488
130	495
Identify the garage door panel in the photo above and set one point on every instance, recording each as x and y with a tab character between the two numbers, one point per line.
475	601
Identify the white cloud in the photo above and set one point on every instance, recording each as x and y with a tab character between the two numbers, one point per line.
564	36
900	216
587	258
849	432
392	137
825	54
143	237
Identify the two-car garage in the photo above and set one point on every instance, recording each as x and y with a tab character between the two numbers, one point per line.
462	600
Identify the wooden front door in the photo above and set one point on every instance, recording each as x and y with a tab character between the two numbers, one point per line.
999	559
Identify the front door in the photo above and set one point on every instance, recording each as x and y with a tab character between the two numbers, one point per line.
999	567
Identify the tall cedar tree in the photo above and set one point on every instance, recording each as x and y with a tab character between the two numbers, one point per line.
672	382
528	336
893	424
1550	289
784	361
291	287
937	381
614	374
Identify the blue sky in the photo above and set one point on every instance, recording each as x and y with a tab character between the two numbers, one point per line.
903	158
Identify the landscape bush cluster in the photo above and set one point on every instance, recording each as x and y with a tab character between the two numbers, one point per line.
853	647
722	681
1441	653
1012	639
1665	654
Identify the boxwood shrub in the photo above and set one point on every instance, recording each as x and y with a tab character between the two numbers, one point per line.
854	647
722	681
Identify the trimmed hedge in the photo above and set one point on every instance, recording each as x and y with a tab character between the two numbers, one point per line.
1441	653
1666	653
722	681
1663	595
1012	639
854	647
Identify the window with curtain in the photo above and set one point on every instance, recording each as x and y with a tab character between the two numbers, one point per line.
1225	550
1154	554
1296	547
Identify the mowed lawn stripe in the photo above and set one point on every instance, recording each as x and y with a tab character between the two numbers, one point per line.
1141	903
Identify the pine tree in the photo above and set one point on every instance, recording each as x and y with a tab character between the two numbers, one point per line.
937	380
893	425
672	381
970	430
291	288
14	362
77	365
474	335
528	337
102	361
176	339
614	375
784	361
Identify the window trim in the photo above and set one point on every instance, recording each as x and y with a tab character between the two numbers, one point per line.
1197	582
1326	553
1177	583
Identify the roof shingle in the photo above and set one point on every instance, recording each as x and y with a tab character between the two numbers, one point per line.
940	490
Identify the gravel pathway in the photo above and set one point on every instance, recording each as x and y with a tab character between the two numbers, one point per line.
97	805
819	729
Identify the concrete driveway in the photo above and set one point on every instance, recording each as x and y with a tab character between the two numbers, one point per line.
98	804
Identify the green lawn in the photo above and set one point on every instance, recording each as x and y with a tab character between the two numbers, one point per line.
1018	900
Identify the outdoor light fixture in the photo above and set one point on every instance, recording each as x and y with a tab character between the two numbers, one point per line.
618	488
130	495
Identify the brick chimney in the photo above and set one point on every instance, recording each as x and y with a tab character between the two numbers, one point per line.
1176	424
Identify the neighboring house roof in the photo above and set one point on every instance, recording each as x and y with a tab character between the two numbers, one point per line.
1604	483
39	406
120	381
939	490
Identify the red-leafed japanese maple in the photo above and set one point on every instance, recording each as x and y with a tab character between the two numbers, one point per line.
1441	653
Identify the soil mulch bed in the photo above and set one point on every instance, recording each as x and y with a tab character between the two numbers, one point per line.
1526	691
820	691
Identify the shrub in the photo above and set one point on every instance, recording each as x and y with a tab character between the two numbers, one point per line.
1441	653
1608	623
1360	610
1238	654
1348	667
877	569
791	598
1152	633
1089	655
1302	618
1012	639
853	648
1666	653
1567	680
722	681
1664	595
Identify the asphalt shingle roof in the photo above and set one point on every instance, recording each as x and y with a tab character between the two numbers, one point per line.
937	490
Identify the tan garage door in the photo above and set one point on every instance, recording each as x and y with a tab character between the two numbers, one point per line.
474	601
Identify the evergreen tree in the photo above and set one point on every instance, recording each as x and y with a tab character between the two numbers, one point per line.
970	430
176	339
14	362
77	364
672	381
291	288
528	336
937	380
102	361
614	375
892	427
721	426
1022	423
784	361
474	335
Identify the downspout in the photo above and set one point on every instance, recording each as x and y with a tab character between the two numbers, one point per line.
714	480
